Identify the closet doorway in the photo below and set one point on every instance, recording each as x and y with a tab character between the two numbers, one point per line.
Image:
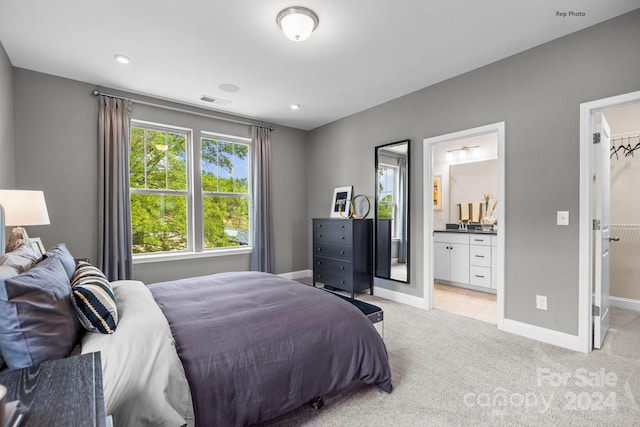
464	269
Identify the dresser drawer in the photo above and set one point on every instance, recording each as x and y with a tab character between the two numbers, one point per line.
331	224
480	255
332	251
335	236
331	265
480	276
335	279
480	239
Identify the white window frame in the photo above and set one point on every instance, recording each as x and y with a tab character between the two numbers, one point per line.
194	193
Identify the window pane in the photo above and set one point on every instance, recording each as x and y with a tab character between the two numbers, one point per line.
157	159
385	192
225	166
158	223
226	221
136	158
241	169
209	165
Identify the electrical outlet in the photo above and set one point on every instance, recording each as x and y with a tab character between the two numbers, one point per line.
541	302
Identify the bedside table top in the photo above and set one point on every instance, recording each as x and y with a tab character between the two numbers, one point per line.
59	392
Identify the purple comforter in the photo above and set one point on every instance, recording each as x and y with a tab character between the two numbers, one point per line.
255	346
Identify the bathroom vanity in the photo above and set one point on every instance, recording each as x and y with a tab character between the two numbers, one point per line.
466	258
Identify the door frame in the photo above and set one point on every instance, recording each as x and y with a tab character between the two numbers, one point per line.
428	246
586	246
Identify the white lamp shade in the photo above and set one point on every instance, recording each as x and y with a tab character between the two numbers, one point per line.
297	23
24	207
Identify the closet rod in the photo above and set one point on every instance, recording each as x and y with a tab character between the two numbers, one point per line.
96	92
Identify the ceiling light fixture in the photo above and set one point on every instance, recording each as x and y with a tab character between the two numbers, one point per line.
121	58
295	106
297	22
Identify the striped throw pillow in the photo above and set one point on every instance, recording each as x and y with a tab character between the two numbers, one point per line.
93	299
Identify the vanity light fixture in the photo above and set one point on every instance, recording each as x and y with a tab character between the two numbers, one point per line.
462	152
297	22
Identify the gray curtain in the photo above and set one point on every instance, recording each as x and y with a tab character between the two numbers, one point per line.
114	219
402	249
262	255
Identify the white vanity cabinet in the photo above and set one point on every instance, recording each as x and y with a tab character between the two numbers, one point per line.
480	260
466	259
451	257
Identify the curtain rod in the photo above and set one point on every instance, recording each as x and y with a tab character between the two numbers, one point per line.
180	110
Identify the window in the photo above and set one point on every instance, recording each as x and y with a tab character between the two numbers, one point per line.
388	183
185	196
225	192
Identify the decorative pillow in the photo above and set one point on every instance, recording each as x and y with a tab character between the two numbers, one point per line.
37	319
7	271
93	299
60	250
21	259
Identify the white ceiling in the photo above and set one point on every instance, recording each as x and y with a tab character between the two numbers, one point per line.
363	53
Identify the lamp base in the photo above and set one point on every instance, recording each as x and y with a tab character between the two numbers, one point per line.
18	238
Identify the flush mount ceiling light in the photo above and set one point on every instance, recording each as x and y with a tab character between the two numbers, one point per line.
297	22
121	58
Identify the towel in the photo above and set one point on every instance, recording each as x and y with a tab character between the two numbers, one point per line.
464	212
476	211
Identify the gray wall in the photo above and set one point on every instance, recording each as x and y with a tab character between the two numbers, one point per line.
538	94
7	137
56	151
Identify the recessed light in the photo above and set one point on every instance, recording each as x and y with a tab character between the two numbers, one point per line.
229	87
295	106
121	58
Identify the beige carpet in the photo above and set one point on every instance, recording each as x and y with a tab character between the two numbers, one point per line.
450	370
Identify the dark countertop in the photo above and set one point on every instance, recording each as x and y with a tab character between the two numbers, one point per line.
471	231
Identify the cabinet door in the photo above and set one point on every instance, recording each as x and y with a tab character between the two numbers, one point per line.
441	261
459	263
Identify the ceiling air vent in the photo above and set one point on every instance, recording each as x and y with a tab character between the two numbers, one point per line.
217	101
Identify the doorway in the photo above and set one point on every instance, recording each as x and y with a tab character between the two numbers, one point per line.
438	211
594	297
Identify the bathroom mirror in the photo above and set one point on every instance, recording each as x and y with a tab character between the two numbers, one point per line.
392	211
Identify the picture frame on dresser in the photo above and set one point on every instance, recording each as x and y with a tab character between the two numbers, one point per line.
339	202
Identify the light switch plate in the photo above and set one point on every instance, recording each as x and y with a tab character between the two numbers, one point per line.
563	217
541	302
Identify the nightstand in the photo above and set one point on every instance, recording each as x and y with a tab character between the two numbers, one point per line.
65	392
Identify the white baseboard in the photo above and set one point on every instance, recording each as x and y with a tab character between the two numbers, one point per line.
549	336
629	304
297	274
398	297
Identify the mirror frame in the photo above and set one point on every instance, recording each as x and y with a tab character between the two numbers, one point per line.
407	207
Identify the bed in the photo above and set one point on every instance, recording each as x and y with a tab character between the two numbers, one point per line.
229	349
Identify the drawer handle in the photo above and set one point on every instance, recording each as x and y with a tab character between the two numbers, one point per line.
319	235
478	240
479	256
319	262
341	252
342	267
319	249
479	276
342	237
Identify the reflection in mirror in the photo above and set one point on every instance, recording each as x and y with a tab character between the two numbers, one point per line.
392	211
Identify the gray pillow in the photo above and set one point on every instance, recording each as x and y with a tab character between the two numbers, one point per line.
20	259
60	250
37	319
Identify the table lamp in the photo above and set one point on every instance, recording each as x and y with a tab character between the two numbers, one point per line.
17	209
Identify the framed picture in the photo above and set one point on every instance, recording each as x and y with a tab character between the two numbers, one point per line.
37	246
340	201
437	192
